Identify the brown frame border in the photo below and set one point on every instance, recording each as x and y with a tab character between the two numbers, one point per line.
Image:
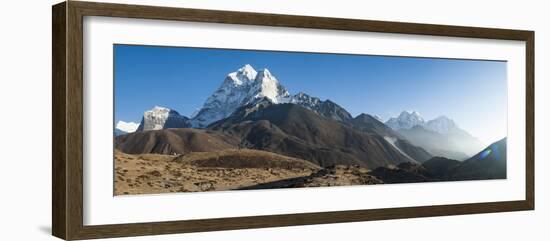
67	121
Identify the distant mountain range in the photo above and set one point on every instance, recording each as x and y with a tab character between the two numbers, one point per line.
440	136
252	110
243	87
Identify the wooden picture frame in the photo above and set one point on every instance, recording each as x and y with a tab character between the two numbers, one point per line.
67	123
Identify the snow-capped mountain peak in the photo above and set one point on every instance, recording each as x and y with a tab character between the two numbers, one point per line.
242	87
266	85
248	70
406	120
266	74
324	108
157	111
441	124
242	76
411	115
127	127
305	100
410	119
161	118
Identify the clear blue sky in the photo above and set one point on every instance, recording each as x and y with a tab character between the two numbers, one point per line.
473	93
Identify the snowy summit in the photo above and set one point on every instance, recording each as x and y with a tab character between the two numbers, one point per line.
127	127
406	120
161	118
239	88
410	119
442	125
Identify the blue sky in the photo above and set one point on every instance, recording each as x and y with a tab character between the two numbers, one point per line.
471	92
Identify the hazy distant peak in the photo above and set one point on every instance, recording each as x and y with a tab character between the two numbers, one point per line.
413	115
441	124
406	120
409	119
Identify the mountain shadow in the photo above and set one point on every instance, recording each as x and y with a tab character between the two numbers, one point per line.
403	173
293	130
490	163
371	125
441	167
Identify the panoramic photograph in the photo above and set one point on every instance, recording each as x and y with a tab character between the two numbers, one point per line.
190	119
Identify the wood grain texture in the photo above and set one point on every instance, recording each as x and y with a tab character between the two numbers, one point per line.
58	121
74	110
122	230
530	120
67	100
279	20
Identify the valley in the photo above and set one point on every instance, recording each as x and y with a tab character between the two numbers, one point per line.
251	133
